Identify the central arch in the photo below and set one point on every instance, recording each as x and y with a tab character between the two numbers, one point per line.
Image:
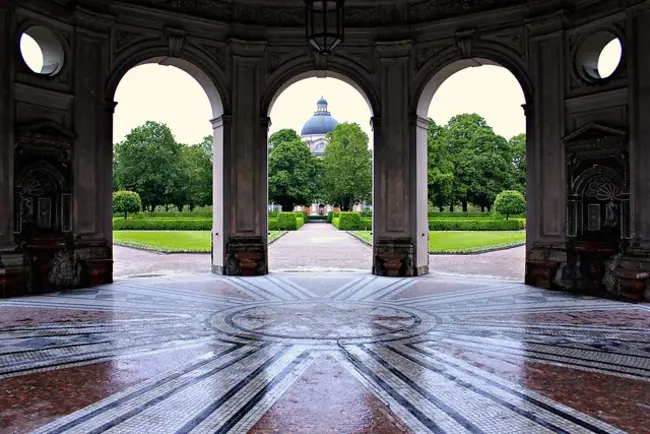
358	80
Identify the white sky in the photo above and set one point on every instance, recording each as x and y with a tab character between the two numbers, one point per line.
167	94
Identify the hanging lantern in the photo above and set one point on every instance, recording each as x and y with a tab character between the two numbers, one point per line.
324	24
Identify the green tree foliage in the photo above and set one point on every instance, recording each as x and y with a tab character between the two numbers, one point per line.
284	135
148	162
440	167
347	166
510	202
481	161
125	202
197	160
518	150
293	174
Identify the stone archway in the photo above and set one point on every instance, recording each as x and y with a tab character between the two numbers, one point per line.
218	109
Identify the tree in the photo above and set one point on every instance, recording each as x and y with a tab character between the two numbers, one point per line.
197	160
126	202
347	166
510	202
518	150
284	135
440	173
293	173
149	162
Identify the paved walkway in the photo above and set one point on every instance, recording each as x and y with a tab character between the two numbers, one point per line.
319	247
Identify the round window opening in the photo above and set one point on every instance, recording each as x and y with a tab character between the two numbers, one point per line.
600	56
41	50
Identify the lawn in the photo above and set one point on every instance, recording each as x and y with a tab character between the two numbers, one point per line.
465	242
171	241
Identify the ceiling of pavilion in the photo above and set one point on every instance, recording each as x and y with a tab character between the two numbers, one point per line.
358	13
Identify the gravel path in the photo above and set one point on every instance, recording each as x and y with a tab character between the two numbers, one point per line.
320	247
503	264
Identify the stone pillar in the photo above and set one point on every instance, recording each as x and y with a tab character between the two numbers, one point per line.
633	271
240	202
13	273
92	154
546	170
400	231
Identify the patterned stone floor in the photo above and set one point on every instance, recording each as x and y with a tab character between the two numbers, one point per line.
320	353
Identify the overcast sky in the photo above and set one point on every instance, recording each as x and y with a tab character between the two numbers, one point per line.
167	94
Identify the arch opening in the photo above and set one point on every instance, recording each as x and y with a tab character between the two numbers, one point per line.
475	136
311	114
168	140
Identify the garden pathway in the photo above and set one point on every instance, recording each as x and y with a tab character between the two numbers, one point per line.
319	247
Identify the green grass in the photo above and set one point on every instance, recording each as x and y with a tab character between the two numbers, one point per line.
171	241
465	242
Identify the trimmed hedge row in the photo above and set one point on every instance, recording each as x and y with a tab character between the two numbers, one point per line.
476	225
351	221
162	225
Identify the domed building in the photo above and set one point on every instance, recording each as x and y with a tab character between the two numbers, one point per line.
316	128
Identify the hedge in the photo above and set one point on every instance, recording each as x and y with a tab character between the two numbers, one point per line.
287	221
475	225
303	215
162	224
330	215
349	221
318	217
335	222
273	225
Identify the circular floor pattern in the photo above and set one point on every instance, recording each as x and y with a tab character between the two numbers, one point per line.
323	322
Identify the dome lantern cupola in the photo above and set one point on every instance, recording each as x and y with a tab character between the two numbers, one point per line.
321	123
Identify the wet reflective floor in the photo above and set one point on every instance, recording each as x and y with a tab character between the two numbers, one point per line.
322	353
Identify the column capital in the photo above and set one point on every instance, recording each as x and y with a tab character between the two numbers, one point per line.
375	123
394	49
221	121
109	106
265	122
419	121
529	109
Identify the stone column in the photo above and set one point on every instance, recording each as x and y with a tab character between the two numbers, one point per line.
400	231
240	203
92	154
546	161
13	274
633	271
532	226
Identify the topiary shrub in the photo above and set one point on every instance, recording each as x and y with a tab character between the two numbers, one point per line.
366	224
287	221
349	221
330	215
273	214
335	222
125	202
300	222
273	225
510	202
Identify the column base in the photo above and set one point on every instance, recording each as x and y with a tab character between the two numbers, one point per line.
396	258
630	275
244	257
542	266
53	264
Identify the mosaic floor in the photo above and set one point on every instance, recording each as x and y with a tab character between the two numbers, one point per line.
320	353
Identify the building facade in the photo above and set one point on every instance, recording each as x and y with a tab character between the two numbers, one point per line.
588	226
314	132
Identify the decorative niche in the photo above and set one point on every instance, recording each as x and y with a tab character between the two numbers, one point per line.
42	181
598	192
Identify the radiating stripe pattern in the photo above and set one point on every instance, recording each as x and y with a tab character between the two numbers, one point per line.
406	341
